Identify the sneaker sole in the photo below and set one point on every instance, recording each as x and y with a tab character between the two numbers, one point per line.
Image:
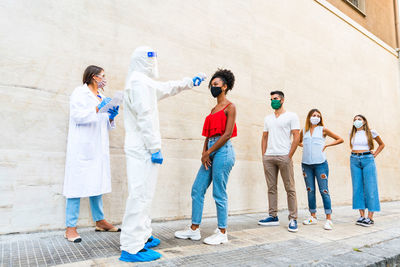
216	244
293	230
309	223
366	225
191	238
269	224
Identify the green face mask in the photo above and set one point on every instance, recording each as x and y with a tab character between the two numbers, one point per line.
276	104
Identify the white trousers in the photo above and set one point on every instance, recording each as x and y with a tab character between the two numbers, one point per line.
136	224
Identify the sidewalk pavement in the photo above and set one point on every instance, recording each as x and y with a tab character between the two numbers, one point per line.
249	244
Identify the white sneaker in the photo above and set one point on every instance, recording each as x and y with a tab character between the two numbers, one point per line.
328	225
188	234
310	221
217	238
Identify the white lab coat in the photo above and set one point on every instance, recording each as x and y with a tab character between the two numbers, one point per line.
142	138
87	166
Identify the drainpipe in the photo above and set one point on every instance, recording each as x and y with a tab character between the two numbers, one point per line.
396	25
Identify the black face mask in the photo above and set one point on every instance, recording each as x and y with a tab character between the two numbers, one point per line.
216	91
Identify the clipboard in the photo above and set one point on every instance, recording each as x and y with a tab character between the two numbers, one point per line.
115	101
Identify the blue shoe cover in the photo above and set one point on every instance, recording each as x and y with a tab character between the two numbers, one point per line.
143	255
152	242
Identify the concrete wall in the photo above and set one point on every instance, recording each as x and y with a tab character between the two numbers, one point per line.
298	46
378	18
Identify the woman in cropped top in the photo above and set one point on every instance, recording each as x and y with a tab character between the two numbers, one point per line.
217	160
315	165
363	169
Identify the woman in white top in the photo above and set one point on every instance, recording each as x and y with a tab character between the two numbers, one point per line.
87	166
363	169
315	165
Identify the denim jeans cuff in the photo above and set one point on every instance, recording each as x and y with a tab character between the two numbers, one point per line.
328	211
196	223
374	210
313	210
221	227
99	218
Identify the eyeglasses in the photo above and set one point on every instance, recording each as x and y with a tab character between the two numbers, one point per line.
151	54
101	76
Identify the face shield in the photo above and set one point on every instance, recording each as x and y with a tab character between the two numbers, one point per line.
152	57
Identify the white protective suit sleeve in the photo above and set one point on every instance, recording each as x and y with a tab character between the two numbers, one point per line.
170	88
81	112
140	103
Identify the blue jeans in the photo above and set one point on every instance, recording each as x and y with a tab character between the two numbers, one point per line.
365	184
321	172
222	162
72	210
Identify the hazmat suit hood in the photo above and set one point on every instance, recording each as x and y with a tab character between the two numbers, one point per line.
144	60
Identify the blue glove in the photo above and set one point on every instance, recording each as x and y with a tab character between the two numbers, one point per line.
157	157
104	102
198	79
113	112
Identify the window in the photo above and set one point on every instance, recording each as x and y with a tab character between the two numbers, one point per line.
359	5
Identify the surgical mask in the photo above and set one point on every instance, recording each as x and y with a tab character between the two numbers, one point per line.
102	83
315	120
216	91
154	70
358	123
276	104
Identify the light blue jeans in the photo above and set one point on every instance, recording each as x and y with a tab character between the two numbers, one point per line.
73	205
222	162
365	183
319	172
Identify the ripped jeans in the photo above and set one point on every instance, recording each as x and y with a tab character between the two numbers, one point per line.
321	172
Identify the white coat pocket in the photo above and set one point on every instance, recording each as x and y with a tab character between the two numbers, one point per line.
86	151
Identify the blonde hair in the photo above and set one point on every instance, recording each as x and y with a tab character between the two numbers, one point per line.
308	123
367	131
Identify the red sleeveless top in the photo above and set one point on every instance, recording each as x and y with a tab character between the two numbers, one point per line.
215	124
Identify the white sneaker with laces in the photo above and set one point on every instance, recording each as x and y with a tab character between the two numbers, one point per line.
310	221
328	225
188	233
217	238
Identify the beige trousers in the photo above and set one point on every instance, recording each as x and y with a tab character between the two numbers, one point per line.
284	165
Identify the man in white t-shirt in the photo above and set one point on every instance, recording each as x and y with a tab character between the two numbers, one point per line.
277	150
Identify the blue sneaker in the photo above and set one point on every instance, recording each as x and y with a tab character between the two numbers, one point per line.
292	226
269	221
143	255
152	242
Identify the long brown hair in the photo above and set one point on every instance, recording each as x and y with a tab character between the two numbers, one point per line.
365	127
308	123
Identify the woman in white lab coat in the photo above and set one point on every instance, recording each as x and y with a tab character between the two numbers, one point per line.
87	167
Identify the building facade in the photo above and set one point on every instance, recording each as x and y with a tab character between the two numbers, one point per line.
321	53
377	17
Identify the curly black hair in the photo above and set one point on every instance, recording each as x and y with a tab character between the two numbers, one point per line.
226	76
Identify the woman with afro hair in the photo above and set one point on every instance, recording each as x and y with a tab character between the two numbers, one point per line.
217	160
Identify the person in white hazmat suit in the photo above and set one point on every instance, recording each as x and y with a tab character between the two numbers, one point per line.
143	150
